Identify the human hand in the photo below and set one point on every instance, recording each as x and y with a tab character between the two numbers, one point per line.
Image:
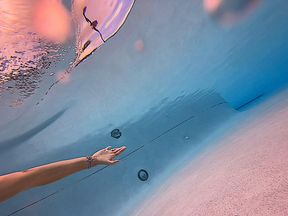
107	156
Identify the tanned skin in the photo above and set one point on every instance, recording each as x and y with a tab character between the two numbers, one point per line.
14	183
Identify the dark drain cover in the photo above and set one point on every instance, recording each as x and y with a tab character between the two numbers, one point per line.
143	175
116	133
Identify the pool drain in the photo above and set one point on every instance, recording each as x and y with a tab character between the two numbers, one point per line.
116	133
143	175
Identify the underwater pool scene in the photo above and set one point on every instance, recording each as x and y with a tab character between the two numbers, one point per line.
197	90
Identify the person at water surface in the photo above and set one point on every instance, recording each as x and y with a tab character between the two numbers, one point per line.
14	183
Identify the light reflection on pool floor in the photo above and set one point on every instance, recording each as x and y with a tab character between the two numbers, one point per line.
245	173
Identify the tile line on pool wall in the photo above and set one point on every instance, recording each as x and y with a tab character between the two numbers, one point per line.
97	171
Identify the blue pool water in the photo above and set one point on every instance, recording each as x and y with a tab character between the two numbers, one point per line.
191	76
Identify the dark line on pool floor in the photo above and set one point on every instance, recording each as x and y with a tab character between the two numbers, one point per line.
34	203
97	171
167	131
249	102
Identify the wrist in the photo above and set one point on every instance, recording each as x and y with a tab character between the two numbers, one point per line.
91	161
95	161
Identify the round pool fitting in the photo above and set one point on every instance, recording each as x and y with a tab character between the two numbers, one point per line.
143	175
116	133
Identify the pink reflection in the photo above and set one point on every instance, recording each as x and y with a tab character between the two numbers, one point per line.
24	51
16	103
212	5
63	77
139	45
51	20
48	18
228	12
21	47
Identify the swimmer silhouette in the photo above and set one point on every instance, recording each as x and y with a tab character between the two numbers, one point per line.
92	24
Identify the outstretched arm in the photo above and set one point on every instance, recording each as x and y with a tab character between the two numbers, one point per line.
15	183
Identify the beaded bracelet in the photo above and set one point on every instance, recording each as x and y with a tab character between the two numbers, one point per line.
89	160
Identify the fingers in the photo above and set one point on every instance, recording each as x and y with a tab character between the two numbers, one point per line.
114	153
118	151
108	148
113	162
